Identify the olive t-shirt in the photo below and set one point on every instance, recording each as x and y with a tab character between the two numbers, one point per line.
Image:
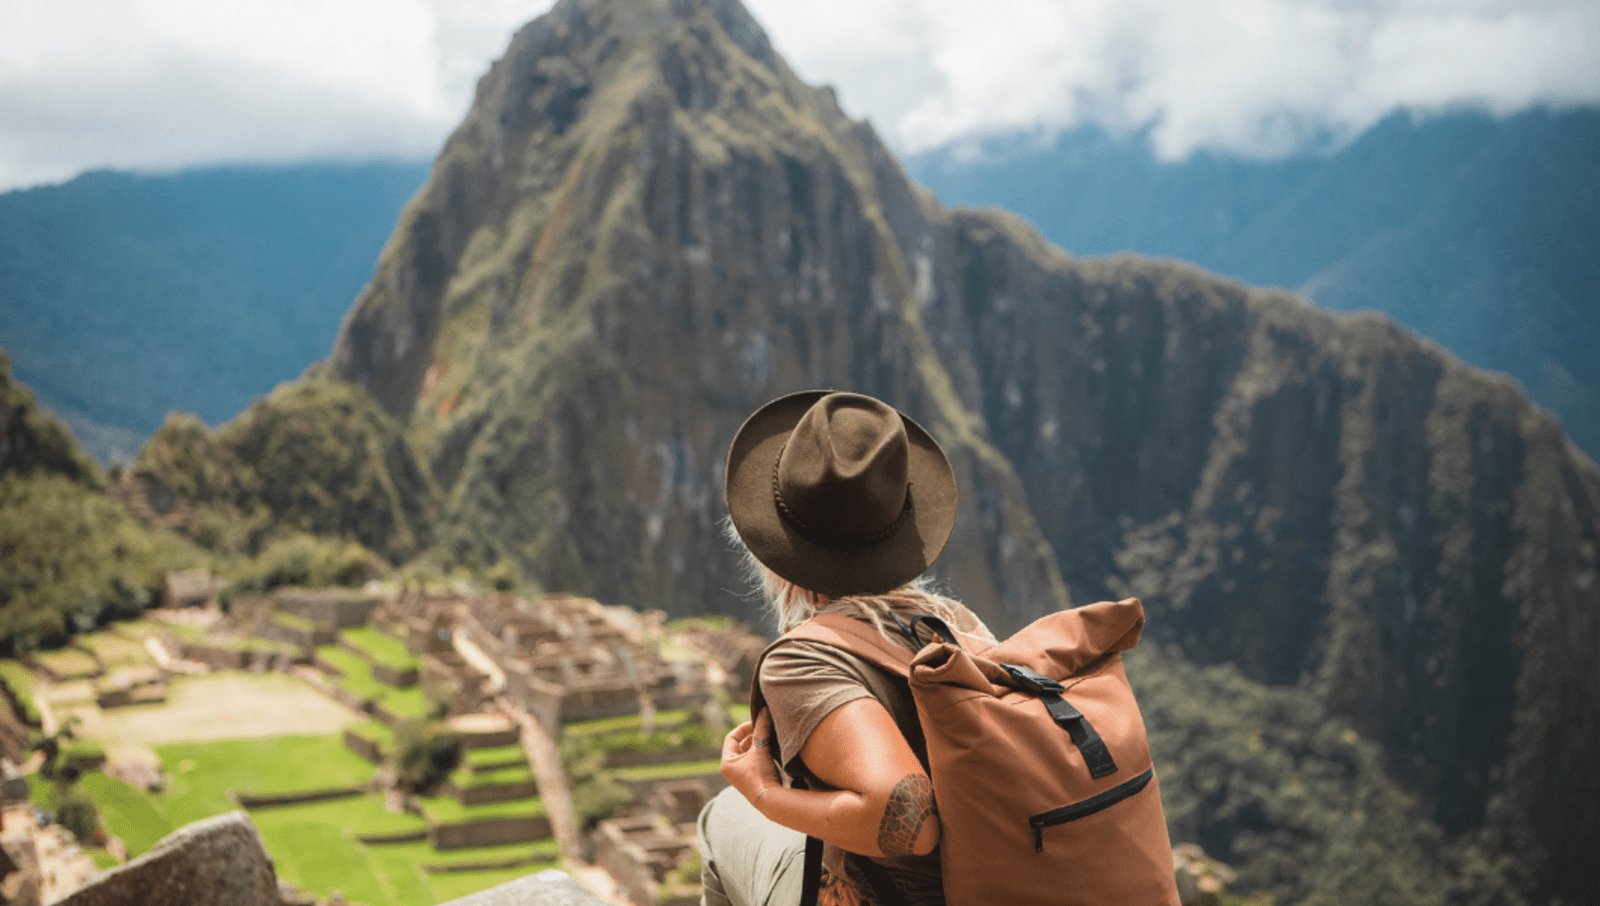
803	682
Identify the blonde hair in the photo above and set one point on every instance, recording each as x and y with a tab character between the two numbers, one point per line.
792	605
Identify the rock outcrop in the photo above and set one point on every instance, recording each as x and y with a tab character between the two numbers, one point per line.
217	860
547	888
645	228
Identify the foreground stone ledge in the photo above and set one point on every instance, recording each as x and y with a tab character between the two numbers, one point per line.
551	887
208	863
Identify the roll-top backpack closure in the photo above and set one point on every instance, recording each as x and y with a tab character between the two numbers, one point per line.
1040	764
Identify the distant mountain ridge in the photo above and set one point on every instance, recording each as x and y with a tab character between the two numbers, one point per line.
1479	233
128	296
1482	234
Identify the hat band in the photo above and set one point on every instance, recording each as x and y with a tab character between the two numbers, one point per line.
831	539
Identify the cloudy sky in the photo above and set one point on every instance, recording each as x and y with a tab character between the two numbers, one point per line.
160	84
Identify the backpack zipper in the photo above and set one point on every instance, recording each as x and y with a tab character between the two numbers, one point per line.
1097	803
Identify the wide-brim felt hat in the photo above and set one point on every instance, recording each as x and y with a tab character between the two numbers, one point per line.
840	493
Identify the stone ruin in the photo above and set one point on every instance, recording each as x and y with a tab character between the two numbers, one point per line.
559	659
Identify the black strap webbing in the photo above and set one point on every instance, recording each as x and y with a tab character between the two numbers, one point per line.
1084	735
811	880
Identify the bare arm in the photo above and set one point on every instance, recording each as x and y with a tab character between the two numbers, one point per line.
883	804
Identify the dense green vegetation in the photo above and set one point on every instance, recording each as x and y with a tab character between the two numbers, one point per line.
316	457
1297	801
71	558
34	442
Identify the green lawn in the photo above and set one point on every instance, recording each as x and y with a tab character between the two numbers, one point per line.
401	865
495	755
128	812
358	680
357	673
627	723
383	648
412	702
183	631
546	850
199	776
115	650
314	845
376	731
293	621
516	774
447	810
674	769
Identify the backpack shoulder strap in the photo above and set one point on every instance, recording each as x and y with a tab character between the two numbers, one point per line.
841	632
855	637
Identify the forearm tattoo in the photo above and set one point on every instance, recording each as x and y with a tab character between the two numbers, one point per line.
910	806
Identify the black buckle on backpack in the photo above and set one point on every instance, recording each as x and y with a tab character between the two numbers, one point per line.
1095	754
1033	681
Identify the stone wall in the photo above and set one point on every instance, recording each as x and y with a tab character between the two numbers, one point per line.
494	792
332	608
489	832
638	853
363	746
251	800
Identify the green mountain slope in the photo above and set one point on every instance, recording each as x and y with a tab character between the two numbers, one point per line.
69	555
126	296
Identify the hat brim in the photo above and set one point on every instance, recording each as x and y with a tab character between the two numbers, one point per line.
902	557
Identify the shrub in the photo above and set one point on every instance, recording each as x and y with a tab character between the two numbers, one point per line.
77	813
597	793
306	561
424	756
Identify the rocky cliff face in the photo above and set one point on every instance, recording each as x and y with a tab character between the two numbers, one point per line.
647	226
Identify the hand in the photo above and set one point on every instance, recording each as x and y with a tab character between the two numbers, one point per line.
747	758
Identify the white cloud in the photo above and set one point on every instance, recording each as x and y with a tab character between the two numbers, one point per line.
1260	77
169	83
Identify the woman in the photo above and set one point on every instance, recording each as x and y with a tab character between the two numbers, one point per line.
841	504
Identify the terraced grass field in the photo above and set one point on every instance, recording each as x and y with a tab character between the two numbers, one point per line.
231	731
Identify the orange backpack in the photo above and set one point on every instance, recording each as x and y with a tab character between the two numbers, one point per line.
1041	771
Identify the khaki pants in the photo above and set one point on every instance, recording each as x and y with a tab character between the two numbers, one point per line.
746	859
